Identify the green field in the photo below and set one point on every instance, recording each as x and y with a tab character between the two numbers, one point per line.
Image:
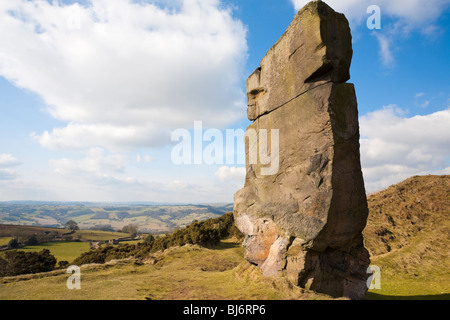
8	230
4	240
63	251
188	272
22	232
192	272
418	270
87	235
406	234
148	218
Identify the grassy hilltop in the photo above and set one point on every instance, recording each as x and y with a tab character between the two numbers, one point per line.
407	235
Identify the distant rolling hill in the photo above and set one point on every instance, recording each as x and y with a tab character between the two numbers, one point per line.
148	217
407	234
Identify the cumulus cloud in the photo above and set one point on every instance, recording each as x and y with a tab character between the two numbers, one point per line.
386	55
145	158
235	174
395	147
411	12
96	167
7	162
125	73
7	174
178	185
405	16
113	137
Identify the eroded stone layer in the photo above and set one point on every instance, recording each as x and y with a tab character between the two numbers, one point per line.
305	221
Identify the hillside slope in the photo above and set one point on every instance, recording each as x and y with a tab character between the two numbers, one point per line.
149	218
407	234
179	273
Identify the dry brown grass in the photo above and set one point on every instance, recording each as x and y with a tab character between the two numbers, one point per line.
407	234
406	210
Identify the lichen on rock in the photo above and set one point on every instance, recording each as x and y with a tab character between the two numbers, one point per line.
305	221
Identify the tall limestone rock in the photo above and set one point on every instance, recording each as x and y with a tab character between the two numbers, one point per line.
305	220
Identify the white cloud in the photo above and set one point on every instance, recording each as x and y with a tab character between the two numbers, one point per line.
405	16
125	73
112	137
425	104
145	158
7	174
7	161
411	12
96	167
386	55
395	147
353	9
236	174
421	101
178	185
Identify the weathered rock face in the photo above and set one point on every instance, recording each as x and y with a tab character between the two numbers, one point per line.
305	221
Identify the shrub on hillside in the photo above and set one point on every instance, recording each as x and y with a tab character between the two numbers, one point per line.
102	227
204	233
15	262
32	241
13	243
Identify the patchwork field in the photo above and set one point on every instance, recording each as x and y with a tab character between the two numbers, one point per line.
148	218
63	251
192	272
407	234
180	273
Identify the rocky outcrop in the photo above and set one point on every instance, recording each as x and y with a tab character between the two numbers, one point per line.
305	221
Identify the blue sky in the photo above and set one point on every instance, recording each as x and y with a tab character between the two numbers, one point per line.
91	90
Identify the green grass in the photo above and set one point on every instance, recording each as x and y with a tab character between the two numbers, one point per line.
8	231
192	272
189	272
98	235
413	257
407	235
63	251
191	217
26	231
82	218
418	270
131	242
49	214
4	240
427	282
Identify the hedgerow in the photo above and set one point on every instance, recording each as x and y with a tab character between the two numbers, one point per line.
204	233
